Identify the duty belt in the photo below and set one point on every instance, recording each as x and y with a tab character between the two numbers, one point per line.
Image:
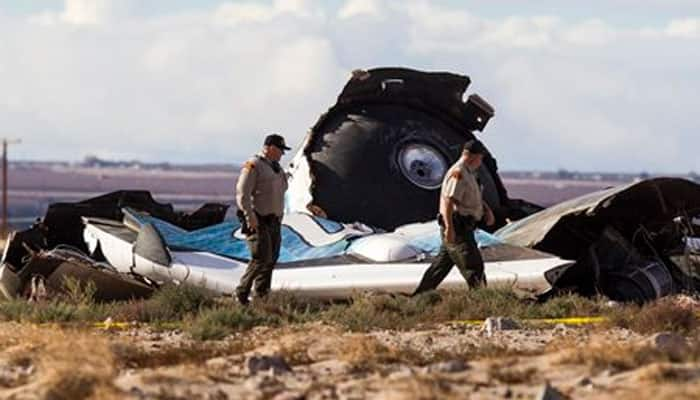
269	218
462	223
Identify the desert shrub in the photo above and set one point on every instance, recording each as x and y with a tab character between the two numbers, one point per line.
169	303
569	305
366	312
478	304
290	307
216	323
178	301
15	309
76	291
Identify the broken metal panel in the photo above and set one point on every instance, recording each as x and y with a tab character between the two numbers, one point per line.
615	268
109	286
625	240
568	229
151	246
687	259
56	266
319	258
386	144
63	225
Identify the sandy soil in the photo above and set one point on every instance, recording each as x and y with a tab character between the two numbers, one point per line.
317	361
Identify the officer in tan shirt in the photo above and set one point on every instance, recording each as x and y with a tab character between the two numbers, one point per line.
461	208
260	200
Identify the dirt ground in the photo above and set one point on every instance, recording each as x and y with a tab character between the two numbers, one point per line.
318	361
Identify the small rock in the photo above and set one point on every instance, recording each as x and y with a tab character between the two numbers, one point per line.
607	373
670	343
612	304
686	302
263	384
330	367
584	381
289	396
548	392
560	328
276	364
508	393
447	367
495	324
401	372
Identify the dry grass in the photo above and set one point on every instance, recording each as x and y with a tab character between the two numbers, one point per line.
666	391
511	375
399	312
420	388
620	357
217	323
662	315
67	364
366	352
206	318
667	372
132	355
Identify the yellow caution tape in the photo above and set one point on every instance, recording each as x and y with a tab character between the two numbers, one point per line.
552	321
111	325
570	320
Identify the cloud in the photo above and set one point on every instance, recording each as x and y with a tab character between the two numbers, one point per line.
360	8
684	28
205	84
594	32
94	12
252	12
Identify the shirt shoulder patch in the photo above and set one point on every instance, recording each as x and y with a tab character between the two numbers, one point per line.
249	165
456	174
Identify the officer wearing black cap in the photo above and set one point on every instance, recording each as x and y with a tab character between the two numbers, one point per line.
461	208
260	200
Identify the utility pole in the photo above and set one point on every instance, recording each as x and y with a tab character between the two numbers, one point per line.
5	225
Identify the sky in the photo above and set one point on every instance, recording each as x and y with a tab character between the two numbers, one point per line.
609	85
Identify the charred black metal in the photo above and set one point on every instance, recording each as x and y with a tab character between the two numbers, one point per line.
627	241
63	226
357	150
57	267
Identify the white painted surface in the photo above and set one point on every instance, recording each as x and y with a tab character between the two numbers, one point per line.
222	274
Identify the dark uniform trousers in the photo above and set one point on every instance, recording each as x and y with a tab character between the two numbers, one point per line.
464	253
264	246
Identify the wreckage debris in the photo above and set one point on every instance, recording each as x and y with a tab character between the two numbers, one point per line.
634	242
636	255
319	257
53	249
391	136
383	146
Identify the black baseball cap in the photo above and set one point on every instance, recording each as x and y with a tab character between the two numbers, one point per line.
475	146
277	141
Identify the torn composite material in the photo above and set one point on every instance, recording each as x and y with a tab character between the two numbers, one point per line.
379	154
25	253
319	257
643	220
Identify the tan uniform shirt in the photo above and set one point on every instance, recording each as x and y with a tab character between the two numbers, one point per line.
460	185
260	189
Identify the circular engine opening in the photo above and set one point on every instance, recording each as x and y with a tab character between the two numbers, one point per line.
423	165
